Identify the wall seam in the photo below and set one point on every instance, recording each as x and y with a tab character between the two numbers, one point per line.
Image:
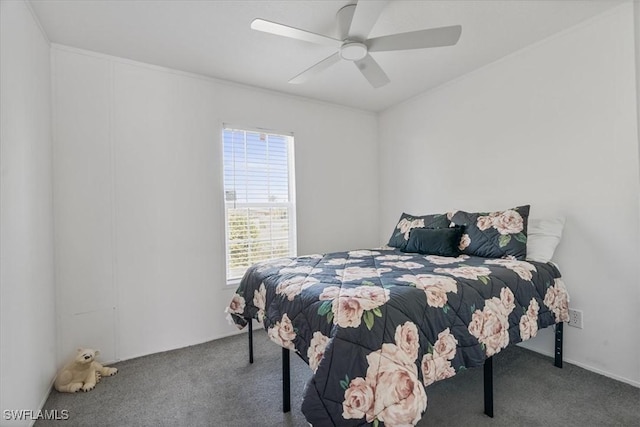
636	32
380	239
56	267
114	236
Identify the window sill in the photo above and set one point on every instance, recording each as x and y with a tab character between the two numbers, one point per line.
233	283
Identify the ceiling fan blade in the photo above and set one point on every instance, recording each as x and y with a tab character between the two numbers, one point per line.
372	71
344	18
365	17
294	33
316	69
433	37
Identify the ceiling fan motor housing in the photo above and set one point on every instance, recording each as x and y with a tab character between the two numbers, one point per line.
353	51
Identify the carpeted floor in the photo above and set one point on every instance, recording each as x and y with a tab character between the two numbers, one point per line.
213	384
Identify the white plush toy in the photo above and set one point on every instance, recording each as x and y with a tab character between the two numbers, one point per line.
83	373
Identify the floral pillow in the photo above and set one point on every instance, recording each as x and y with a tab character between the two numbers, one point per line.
400	235
494	234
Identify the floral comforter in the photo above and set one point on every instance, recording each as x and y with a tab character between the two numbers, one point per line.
378	326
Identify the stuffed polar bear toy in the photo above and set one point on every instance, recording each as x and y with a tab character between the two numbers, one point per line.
82	373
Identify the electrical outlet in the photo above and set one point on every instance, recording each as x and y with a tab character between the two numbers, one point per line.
575	318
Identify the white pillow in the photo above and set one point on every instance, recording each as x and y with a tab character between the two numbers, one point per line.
543	236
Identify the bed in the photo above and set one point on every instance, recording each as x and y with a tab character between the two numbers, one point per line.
378	326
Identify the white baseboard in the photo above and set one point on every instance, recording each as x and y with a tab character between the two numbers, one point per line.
591	368
44	399
256	326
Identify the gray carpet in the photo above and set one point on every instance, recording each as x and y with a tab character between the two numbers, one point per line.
212	384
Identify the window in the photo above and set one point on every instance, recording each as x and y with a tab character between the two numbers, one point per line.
259	198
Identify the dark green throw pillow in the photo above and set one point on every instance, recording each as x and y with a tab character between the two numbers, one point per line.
494	234
407	222
434	241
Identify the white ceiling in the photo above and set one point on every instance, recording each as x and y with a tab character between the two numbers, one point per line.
213	38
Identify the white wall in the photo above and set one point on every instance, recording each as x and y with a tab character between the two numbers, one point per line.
27	313
139	203
553	125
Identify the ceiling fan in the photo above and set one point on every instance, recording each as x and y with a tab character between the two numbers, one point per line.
355	22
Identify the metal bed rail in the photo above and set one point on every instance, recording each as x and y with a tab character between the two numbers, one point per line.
488	370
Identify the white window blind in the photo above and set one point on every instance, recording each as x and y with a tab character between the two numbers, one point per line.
259	202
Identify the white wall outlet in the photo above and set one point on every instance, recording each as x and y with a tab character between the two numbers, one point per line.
575	318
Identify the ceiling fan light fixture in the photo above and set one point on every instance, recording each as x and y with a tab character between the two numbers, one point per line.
353	51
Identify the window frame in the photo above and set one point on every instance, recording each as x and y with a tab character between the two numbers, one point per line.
290	204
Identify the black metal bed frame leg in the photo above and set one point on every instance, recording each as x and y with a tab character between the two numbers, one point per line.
488	386
250	321
488	370
286	372
286	381
558	347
